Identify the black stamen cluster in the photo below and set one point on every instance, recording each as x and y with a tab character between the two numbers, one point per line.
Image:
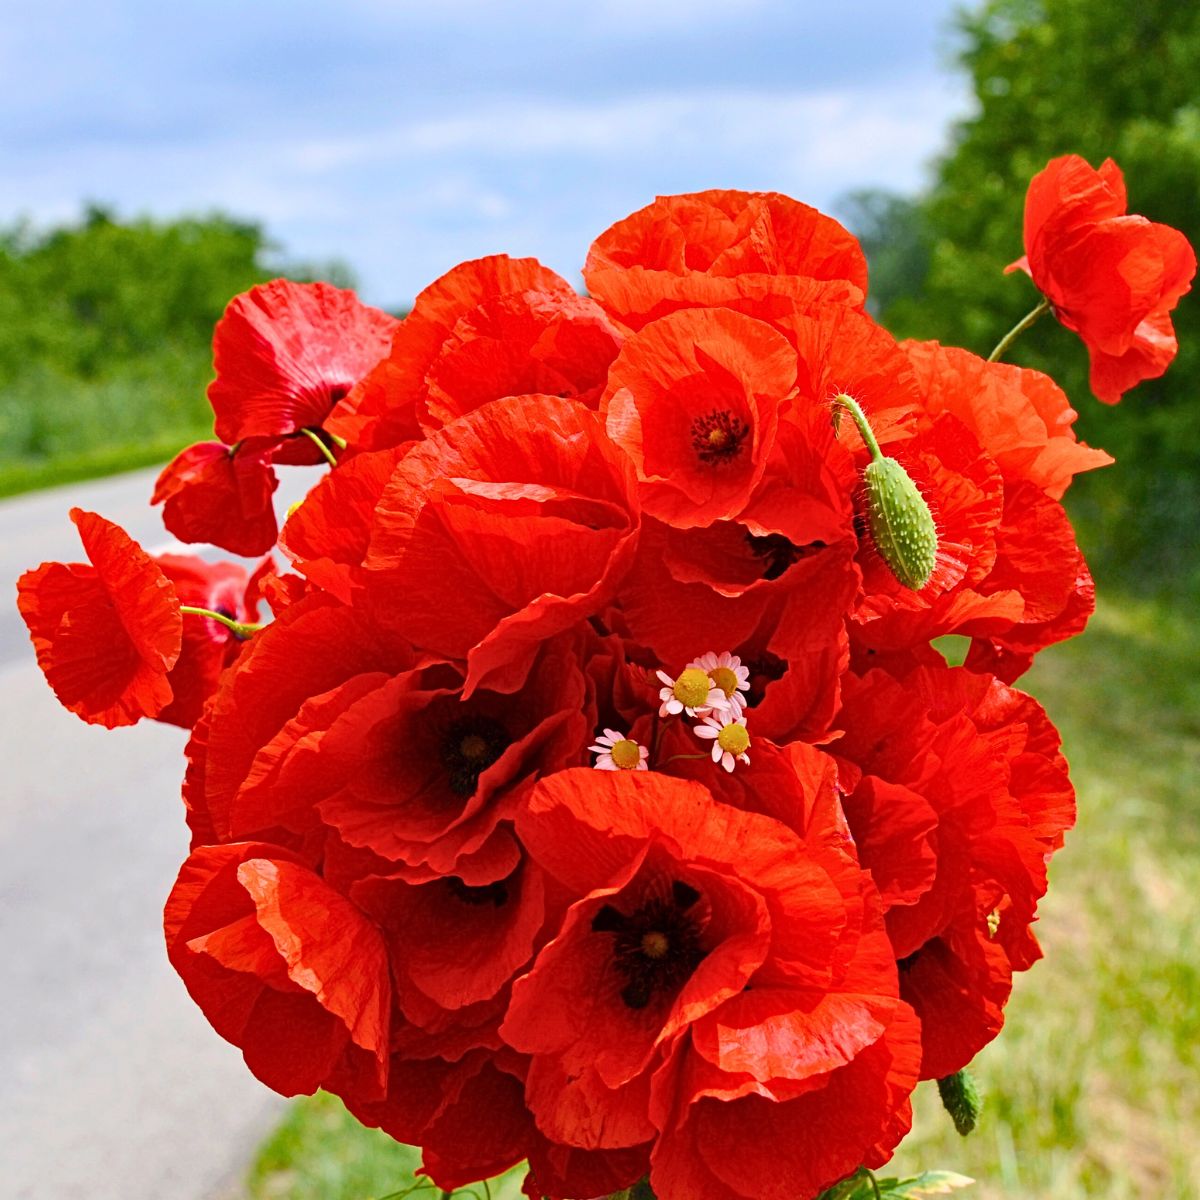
717	436
469	746
657	947
777	553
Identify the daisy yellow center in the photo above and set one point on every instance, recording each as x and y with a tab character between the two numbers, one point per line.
692	687
626	754
725	679
655	944
734	738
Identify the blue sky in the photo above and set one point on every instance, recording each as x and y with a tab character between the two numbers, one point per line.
404	137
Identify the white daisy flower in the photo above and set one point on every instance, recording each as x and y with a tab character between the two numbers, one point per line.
616	752
729	737
692	693
726	672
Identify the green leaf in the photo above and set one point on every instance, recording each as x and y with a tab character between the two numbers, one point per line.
928	1183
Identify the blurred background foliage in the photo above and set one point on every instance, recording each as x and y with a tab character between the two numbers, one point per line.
105	335
1102	79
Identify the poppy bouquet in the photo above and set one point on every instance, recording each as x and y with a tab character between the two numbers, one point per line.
596	794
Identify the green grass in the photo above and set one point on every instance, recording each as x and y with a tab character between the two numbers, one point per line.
57	428
1091	1090
320	1152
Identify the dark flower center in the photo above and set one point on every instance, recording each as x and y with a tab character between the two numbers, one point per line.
469	747
495	894
764	670
717	437
777	553
657	947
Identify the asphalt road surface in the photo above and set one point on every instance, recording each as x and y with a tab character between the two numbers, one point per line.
112	1084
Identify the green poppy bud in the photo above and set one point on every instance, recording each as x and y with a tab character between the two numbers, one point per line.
961	1099
901	524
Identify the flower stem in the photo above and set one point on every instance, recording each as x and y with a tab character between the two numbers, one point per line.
860	419
312	435
676	756
238	628
1018	329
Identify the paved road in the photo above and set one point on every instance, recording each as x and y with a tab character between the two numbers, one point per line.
112	1084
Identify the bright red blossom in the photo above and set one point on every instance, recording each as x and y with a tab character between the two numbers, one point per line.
107	632
408	882
1112	278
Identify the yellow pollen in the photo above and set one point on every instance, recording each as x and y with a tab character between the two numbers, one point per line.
993	922
725	679
655	944
717	437
473	747
734	738
626	754
692	687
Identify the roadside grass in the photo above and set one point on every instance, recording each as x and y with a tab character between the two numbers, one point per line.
1091	1090
57	428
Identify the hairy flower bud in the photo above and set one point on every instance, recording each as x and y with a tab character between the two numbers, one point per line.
901	524
961	1099
902	527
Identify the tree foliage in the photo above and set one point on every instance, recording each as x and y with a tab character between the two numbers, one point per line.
1099	78
106	327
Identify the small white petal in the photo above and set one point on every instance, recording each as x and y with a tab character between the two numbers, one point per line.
707	731
727	762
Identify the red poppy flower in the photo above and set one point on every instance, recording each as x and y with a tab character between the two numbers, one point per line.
638	1015
635	296
724	234
208	646
556	343
1111	277
414	773
283	967
470	1118
781	577
107	632
500	531
387	406
311	648
285	353
694	400
1021	418
840	350
213	494
327	536
1037	591
960	795
454	943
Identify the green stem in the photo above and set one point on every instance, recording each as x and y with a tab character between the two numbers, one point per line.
1018	329
339	442
238	628
320	445
676	756
860	419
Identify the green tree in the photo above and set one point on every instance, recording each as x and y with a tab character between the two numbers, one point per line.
106	328
1100	78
